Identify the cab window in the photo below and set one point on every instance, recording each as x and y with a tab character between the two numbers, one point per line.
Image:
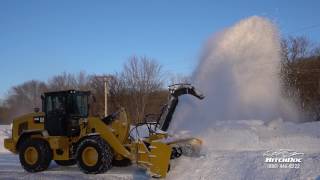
55	104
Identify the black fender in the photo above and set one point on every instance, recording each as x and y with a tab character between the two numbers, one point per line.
87	135
26	134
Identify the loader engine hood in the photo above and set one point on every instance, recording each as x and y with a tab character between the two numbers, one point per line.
176	90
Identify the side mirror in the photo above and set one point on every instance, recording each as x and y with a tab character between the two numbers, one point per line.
42	97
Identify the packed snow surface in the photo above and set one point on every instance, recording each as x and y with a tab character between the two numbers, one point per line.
231	150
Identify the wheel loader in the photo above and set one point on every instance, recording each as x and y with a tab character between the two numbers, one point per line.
65	133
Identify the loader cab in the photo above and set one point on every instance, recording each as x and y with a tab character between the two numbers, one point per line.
63	110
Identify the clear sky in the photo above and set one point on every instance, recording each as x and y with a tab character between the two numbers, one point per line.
41	38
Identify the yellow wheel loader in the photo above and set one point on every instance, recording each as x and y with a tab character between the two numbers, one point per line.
64	132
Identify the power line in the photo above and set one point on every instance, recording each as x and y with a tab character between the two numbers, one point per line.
306	28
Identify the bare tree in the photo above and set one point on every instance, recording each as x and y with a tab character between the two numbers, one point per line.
300	74
96	86
316	51
179	78
292	50
295	48
67	81
141	76
23	98
4	119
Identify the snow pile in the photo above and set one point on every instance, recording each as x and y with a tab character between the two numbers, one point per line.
254	135
246	165
234	150
5	131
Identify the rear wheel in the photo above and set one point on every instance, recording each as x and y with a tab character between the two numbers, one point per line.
94	155
35	155
66	162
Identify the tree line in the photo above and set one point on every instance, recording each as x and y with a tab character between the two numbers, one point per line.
139	88
300	74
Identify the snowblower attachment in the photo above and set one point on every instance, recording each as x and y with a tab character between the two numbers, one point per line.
187	146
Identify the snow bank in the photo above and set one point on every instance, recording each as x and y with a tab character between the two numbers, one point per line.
254	135
5	131
246	165
234	150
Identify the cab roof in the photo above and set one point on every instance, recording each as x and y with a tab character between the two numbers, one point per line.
71	91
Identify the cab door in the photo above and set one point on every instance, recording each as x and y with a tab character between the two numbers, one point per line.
56	115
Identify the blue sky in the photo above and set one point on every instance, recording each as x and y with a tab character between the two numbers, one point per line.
41	38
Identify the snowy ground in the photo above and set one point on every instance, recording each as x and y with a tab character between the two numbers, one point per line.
232	150
246	165
10	169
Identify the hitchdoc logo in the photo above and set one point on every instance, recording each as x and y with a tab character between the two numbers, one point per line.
284	158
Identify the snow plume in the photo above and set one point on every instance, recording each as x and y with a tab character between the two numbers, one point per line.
239	75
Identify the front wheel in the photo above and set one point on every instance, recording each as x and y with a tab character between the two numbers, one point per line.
35	155
94	155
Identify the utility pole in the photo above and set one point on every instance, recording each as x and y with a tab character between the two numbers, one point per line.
106	92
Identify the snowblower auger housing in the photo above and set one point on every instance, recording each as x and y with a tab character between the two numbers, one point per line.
65	133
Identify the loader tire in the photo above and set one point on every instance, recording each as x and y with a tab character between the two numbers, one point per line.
35	155
70	162
94	155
